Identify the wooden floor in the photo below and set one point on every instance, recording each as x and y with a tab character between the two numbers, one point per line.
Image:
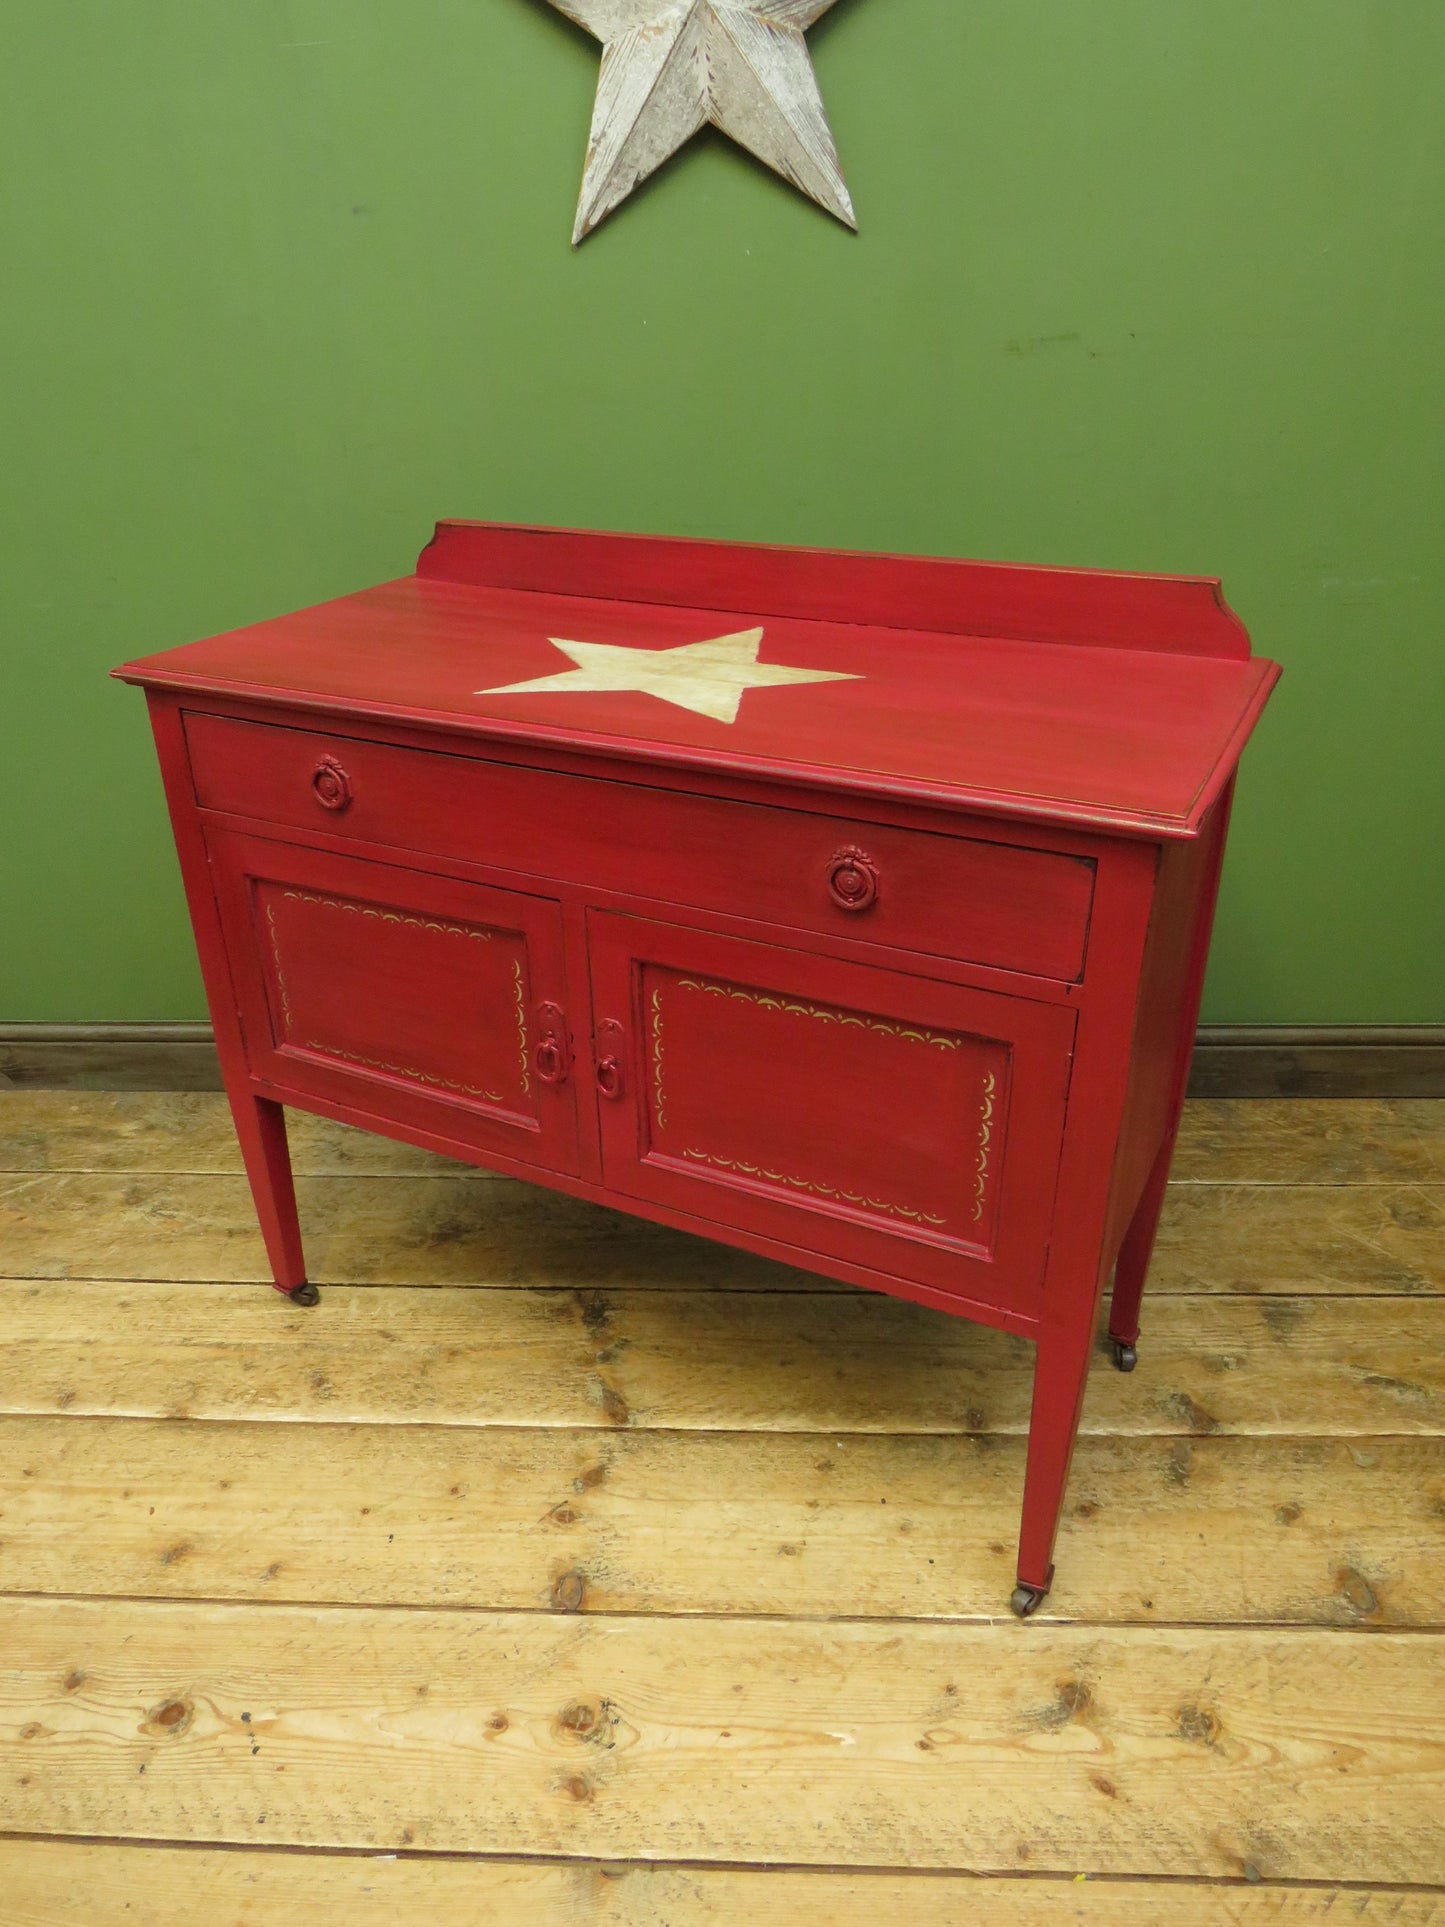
558	1568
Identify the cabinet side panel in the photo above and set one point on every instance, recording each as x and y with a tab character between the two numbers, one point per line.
1183	894
176	777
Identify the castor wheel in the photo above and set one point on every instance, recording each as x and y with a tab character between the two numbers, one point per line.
1126	1357
306	1294
1026	1600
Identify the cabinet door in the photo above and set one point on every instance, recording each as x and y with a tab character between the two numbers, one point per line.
884	1119
412	997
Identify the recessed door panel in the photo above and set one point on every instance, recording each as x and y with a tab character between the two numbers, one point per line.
924	1106
440	1002
886	1119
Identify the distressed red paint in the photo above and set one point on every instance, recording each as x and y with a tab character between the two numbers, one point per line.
894	977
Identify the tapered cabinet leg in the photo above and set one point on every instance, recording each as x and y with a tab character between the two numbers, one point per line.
1133	1265
260	1122
1061	1370
261	1128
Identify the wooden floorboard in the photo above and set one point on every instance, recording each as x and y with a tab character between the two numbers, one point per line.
671	1582
699	1360
1318	1141
1297	1753
60	1883
1208	1531
425	1230
456	1230
188	1132
1336	1239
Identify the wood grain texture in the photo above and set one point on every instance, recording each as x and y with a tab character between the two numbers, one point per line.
425	1457
58	1883
692	1360
1311	1141
1231	1531
1295	1754
374	1230
188	1132
1300	1238
434	1230
667	71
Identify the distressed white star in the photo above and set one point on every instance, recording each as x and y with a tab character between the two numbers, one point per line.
669	67
708	677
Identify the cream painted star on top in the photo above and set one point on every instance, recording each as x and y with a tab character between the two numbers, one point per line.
669	67
708	677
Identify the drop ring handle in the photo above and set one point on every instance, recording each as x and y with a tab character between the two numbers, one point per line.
853	879
551	1058
611	1039
547	1061
330	784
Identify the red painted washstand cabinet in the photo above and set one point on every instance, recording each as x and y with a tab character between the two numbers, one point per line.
849	908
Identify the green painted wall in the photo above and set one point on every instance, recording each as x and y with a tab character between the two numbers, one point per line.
1141	283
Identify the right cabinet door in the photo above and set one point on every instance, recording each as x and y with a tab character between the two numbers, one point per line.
883	1119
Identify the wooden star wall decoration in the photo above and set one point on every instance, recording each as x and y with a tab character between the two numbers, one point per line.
673	67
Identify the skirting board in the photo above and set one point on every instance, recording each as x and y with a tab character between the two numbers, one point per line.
1230	1060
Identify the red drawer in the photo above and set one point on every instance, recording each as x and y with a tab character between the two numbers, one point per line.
947	896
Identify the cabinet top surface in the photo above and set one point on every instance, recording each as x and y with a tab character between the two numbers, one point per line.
1121	702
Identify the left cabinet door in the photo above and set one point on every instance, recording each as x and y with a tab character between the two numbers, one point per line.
411	997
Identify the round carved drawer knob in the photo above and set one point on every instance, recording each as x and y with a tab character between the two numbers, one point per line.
331	784
853	880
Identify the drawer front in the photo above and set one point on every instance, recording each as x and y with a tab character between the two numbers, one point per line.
411	997
887	1120
947	896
